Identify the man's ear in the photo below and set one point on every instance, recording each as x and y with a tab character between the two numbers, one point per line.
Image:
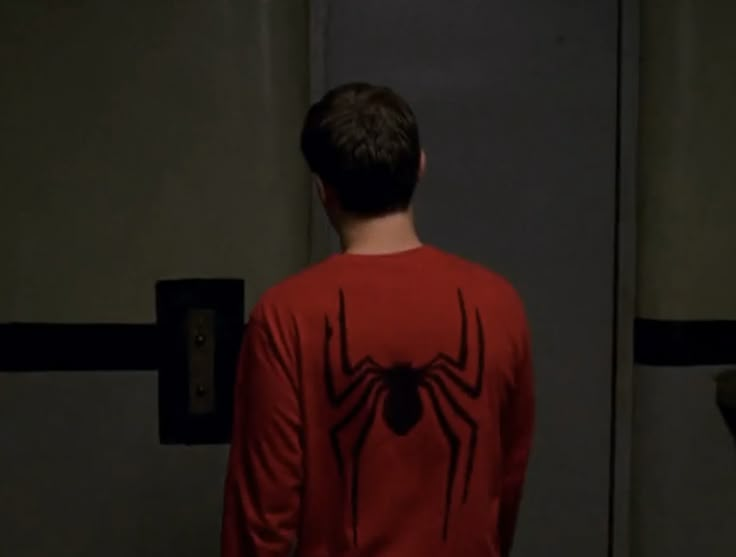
422	165
320	187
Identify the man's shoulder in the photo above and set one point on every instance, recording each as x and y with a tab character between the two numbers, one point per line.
477	273
296	289
490	288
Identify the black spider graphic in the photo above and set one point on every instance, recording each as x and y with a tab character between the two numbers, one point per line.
398	386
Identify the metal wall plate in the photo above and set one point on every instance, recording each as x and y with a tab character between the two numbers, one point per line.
201	361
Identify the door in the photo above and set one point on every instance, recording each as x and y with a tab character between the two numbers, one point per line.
516	104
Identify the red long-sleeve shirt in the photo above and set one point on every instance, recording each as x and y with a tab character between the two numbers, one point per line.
384	407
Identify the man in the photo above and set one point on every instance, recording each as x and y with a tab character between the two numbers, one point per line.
384	400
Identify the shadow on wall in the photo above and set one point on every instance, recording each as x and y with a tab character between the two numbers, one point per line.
726	399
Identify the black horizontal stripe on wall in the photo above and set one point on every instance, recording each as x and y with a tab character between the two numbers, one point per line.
684	343
77	347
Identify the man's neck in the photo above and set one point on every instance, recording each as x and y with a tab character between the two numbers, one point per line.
381	235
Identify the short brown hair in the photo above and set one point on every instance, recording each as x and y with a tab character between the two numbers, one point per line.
363	142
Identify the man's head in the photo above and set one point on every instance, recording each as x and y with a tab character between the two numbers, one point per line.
362	143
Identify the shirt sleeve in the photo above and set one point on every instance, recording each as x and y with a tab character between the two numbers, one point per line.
264	476
517	432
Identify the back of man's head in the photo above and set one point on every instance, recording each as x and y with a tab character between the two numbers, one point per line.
362	141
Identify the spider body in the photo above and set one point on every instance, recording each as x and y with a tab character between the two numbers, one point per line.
402	406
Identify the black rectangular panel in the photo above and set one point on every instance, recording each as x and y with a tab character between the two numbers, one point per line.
200	326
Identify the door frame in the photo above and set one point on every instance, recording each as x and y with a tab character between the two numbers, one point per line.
622	393
323	240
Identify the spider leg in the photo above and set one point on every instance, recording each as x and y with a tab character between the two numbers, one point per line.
347	367
361	363
465	417
357	449
473	391
335	397
454	443
462	354
337	428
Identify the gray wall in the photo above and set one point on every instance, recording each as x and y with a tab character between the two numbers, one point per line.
687	253
517	107
684	462
140	140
